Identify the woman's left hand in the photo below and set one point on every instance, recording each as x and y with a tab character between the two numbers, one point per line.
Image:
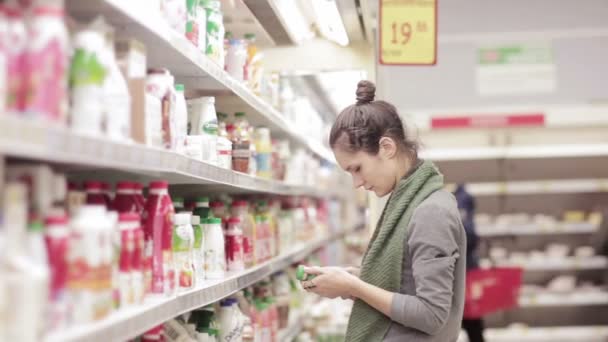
330	282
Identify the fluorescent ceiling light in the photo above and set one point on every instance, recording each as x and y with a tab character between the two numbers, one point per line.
329	21
294	20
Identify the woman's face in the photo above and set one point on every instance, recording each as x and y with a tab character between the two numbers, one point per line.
372	172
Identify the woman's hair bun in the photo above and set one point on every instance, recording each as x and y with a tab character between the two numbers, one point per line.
366	91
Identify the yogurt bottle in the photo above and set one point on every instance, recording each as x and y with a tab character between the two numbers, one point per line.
197	254
159	273
183	244
214	253
47	62
181	119
57	239
16	44
127	224
231	321
234	246
87	77
95	195
125	200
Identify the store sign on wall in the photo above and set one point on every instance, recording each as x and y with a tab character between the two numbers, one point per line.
408	32
516	69
489	121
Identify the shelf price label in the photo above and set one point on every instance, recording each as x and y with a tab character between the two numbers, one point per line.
408	32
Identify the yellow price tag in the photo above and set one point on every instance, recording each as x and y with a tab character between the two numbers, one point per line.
408	32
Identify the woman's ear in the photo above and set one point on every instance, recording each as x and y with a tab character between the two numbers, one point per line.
388	148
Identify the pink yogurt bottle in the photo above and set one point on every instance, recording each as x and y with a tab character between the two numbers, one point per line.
95	195
57	240
158	232
235	260
16	44
125	200
46	61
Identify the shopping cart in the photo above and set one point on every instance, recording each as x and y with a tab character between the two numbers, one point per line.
491	290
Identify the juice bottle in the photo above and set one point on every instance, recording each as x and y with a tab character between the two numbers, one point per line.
240	209
139	194
57	239
95	195
234	246
263	146
201	208
15	58
47	62
159	273
214	252
218	209
125	200
137	264
197	254
183	244
26	280
127	224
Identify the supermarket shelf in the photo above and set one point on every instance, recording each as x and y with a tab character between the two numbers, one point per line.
538	187
131	322
35	140
517	152
169	49
534	229
565	264
521	163
549	300
548	334
291	332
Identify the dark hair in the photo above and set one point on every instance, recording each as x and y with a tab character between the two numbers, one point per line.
360	126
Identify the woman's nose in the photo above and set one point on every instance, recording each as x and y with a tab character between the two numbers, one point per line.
357	182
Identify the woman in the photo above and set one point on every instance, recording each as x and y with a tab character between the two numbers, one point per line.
410	286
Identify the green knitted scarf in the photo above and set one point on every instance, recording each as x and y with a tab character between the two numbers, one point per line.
383	261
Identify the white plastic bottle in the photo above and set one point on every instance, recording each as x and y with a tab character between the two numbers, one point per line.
230	320
183	244
26	280
236	58
117	100
215	260
87	77
87	251
199	266
202	119
181	119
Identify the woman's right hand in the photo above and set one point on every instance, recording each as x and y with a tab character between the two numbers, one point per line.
356	271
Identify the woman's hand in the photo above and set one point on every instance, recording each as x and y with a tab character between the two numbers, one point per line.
330	282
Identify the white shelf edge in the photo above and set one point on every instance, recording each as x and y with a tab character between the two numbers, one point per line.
131	322
539	187
156	25
530	301
516	152
531	230
547	334
567	264
51	143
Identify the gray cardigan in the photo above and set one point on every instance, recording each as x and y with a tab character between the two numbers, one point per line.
430	303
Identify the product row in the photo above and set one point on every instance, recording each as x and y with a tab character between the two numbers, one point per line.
563	285
256	314
99	85
555	255
571	220
85	252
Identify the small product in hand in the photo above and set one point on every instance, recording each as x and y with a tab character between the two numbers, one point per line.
301	274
